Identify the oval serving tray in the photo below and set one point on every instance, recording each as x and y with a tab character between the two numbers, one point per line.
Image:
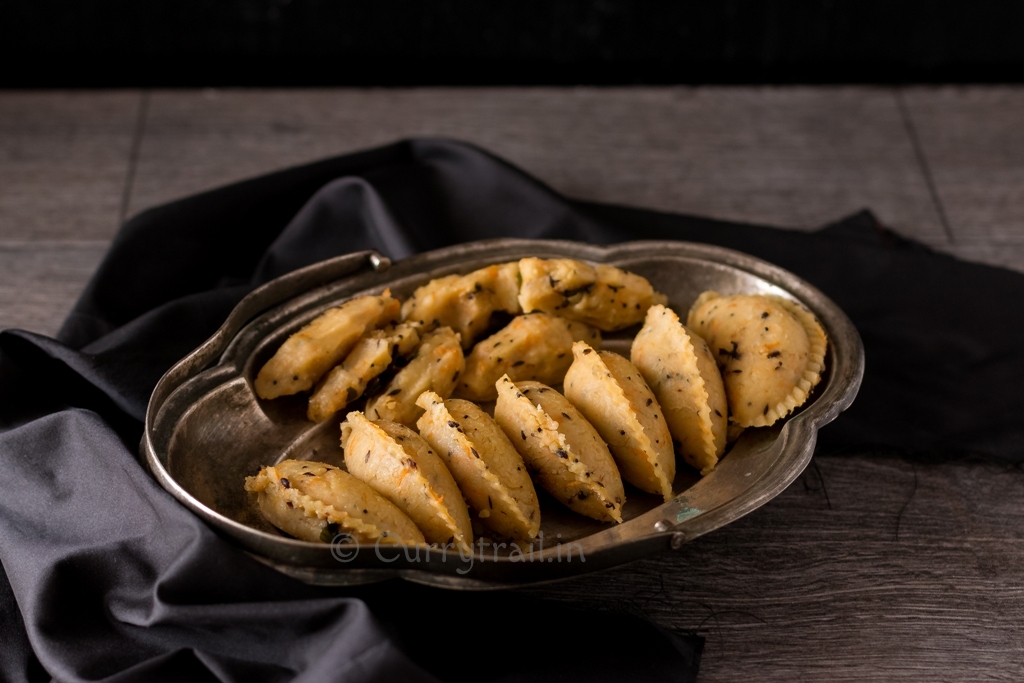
206	430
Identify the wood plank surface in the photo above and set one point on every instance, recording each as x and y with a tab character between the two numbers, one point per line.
793	157
40	281
901	572
973	141
64	158
880	579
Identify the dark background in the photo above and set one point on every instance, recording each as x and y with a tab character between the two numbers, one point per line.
132	43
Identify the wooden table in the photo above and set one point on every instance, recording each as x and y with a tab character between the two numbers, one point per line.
869	567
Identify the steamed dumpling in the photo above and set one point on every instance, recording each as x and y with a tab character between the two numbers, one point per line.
316	502
565	452
398	464
600	295
681	371
613	396
771	352
488	469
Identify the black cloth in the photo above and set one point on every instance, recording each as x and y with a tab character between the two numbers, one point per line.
107	578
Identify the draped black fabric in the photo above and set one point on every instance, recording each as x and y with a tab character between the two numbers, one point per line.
108	578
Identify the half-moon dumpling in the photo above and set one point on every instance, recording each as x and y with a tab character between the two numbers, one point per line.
604	296
536	346
465	303
436	367
370	357
568	456
316	502
615	399
771	352
681	371
399	464
487	468
316	348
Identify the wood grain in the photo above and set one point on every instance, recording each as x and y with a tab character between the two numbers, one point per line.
794	157
845	587
63	162
973	141
881	579
40	281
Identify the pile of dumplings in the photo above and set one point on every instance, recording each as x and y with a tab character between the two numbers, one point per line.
461	420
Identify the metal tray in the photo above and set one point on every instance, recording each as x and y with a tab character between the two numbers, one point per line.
206	430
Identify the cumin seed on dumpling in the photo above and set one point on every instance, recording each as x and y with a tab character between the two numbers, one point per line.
565	452
612	394
682	373
488	469
771	352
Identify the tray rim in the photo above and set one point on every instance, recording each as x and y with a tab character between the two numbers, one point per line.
797	435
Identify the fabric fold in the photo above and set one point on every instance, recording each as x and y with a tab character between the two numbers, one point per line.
106	577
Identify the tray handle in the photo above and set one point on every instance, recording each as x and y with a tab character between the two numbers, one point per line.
260	300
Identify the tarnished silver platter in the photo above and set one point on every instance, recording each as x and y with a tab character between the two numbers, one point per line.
206	430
